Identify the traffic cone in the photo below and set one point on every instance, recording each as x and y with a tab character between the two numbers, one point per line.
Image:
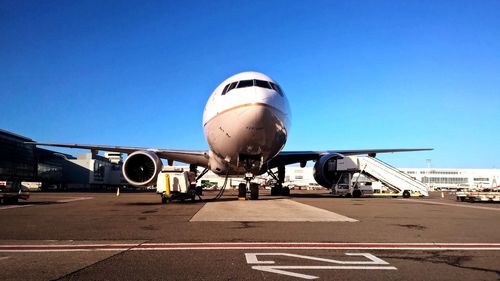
118	191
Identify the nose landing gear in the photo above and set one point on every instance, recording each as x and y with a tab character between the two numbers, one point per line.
248	186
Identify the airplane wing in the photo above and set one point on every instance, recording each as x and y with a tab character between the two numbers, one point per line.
291	157
197	157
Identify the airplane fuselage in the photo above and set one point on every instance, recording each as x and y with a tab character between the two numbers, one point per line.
246	122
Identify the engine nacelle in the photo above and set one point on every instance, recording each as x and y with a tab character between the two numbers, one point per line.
141	168
325	170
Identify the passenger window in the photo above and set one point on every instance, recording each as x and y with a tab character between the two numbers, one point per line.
225	89
262	84
245	83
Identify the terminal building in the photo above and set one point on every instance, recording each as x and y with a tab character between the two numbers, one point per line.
436	178
23	164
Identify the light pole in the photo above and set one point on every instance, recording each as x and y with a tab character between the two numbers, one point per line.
429	162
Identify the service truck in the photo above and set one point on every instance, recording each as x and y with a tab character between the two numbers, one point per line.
11	192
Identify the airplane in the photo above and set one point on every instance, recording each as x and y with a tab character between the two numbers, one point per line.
246	122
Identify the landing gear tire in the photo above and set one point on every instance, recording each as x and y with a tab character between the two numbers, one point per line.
164	199
192	195
276	190
285	191
356	193
254	191
11	200
406	194
242	190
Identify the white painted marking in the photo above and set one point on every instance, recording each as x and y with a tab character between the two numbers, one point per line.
373	263
70	199
15	206
451	204
278	269
3	258
73	199
266	210
252	258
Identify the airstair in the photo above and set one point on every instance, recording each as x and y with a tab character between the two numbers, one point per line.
398	182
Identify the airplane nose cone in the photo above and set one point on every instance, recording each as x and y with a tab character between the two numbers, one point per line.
257	116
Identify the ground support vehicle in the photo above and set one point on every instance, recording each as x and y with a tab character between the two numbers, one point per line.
485	195
11	192
173	184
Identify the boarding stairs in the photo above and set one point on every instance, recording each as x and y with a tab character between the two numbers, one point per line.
389	176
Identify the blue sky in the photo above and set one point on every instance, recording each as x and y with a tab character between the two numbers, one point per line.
358	74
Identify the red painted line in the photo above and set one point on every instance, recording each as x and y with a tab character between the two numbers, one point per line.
66	247
317	245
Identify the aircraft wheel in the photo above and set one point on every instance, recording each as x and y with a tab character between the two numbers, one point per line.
11	200
164	199
275	190
406	194
285	191
199	190
254	191
356	193
242	190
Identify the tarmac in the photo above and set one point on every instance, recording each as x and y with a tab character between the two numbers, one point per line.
309	235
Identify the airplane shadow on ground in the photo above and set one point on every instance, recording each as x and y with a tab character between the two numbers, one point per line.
313	195
206	199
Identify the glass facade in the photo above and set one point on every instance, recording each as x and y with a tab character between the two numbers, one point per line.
437	172
481	179
17	161
50	165
444	180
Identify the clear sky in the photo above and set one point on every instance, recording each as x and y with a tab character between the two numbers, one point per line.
358	74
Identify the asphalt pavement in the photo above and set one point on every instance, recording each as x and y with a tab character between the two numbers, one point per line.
310	235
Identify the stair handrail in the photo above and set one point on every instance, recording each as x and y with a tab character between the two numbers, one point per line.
396	173
392	167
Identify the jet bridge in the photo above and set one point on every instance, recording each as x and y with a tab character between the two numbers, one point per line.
399	183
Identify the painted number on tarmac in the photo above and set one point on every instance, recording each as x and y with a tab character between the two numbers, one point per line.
370	262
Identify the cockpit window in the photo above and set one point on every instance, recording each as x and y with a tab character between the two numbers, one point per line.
245	83
229	87
277	89
225	89
251	83
262	84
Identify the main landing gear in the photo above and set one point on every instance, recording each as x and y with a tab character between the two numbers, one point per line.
248	185
278	189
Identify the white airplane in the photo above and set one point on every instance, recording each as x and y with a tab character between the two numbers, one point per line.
246	122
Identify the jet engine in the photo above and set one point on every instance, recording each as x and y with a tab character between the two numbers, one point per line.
141	168
325	170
